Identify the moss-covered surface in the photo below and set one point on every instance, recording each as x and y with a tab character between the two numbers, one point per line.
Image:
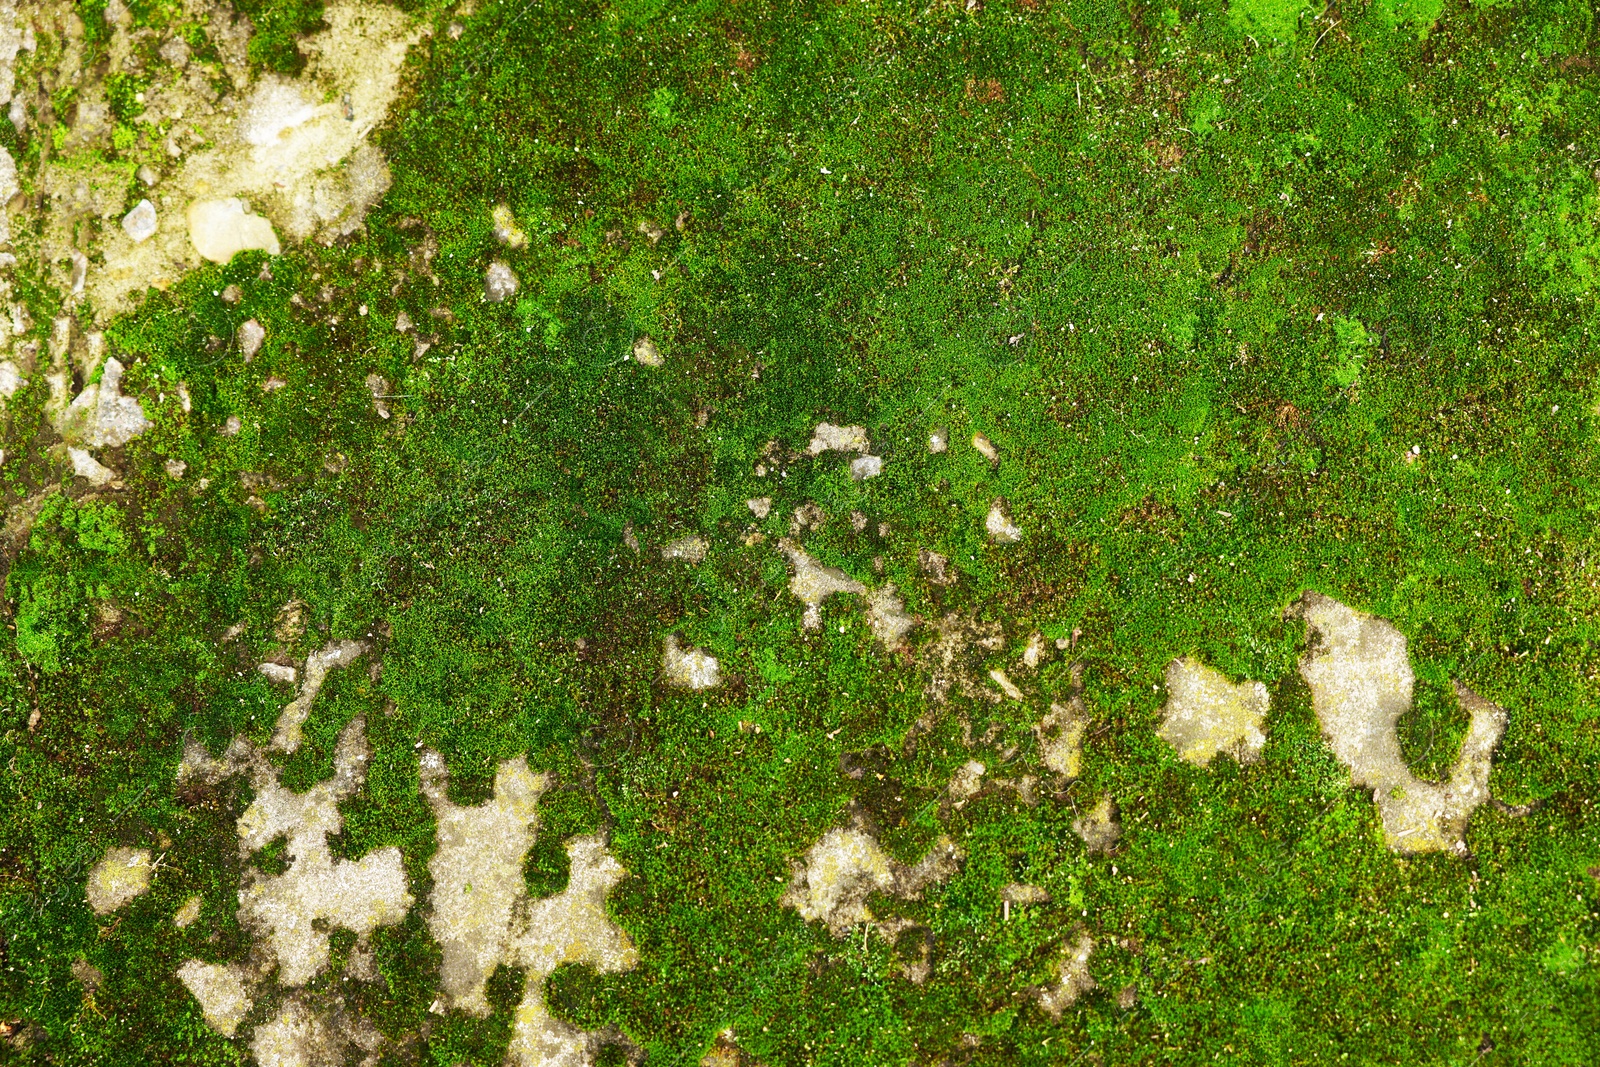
1250	299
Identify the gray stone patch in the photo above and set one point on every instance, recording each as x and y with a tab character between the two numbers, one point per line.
121	875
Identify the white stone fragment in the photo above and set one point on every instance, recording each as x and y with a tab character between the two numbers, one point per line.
140	223
760	506
646	352
1001	529
500	282
250	335
986	447
277	673
187	915
221	229
86	466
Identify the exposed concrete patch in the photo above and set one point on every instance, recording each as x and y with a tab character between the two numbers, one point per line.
250	335
954	661
938	440
647	353
221	990
813	583
482	915
886	614
830	438
1002	531
986	448
760	506
286	737
297	908
477	874
506	230
864	467
846	866
1100	829
1072	978
188	914
689	668
1207	714
301	1036
570	927
1060	732
295	149
1361	683
934	567
121	875
690	549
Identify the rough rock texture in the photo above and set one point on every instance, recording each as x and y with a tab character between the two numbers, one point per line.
1206	714
100	416
121	875
1060	736
1361	683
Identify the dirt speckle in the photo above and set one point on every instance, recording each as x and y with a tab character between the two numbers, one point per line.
1207	714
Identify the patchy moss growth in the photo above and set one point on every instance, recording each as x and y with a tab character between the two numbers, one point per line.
1243	299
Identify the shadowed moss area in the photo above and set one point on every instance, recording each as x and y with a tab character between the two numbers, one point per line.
1250	299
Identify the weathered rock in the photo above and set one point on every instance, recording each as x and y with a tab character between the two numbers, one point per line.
140	223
